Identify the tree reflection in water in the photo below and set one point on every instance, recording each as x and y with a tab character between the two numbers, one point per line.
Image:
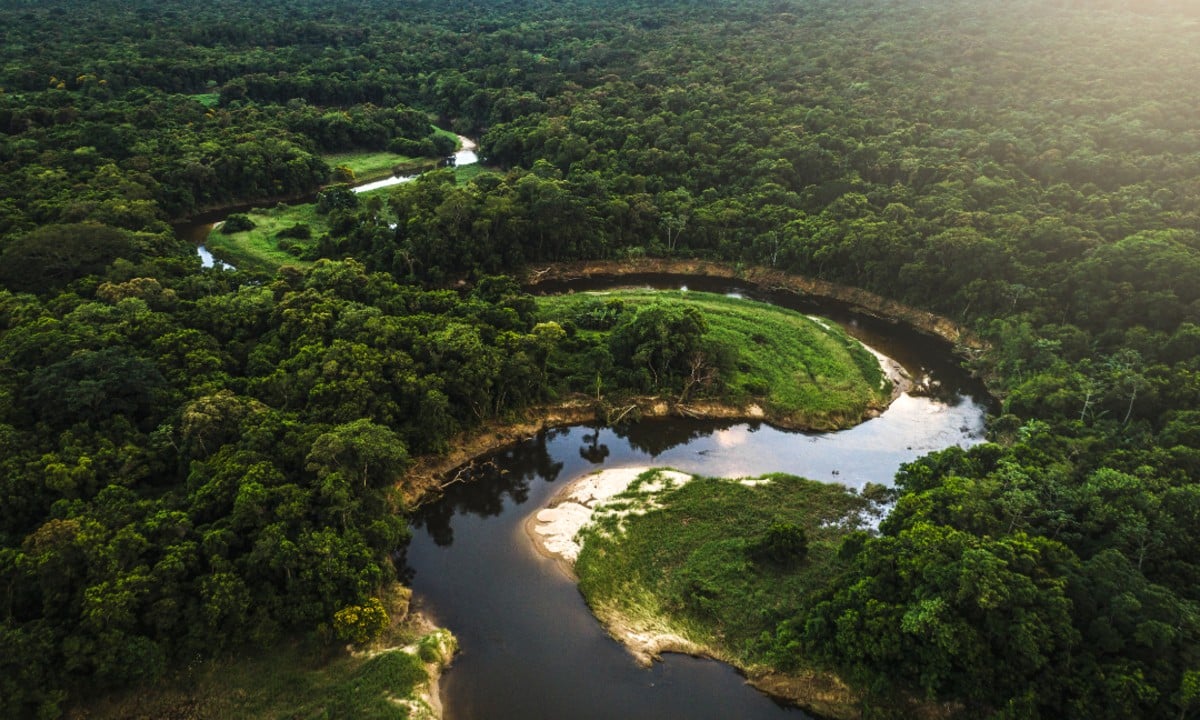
485	486
594	451
656	436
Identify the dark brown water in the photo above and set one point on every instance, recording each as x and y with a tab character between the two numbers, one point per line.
530	647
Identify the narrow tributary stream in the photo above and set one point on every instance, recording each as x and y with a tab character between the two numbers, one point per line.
197	231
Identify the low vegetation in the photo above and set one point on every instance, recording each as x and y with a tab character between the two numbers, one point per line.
720	562
367	166
301	680
387	673
695	346
282	235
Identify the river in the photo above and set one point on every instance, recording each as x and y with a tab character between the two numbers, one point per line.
198	229
465	156
530	646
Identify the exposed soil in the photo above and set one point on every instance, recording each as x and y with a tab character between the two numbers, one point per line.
430	474
964	341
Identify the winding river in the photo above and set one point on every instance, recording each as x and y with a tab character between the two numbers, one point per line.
197	230
531	648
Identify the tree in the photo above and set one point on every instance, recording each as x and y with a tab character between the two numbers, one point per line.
52	256
657	342
364	453
360	624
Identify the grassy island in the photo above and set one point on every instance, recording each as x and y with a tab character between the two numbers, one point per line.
691	347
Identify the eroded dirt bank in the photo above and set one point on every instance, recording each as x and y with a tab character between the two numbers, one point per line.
430	474
767	279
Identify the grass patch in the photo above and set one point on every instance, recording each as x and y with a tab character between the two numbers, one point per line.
287	682
262	248
377	165
466	173
371	165
802	372
447	133
208	100
689	559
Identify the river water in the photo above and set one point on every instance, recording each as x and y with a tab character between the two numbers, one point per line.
465	156
531	648
197	230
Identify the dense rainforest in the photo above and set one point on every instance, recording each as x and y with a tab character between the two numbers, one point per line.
194	461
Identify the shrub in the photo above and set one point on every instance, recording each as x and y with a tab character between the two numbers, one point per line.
360	623
236	223
299	231
783	544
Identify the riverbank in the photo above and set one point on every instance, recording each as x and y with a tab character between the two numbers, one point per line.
961	339
430	474
599	507
304	677
370	166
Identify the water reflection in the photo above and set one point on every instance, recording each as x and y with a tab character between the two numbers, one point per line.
656	436
593	450
487	487
531	648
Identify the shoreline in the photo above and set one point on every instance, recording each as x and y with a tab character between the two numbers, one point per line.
429	694
551	530
962	340
419	165
430	474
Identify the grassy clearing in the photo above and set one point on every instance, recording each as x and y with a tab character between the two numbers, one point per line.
689	559
466	173
368	166
802	372
376	165
261	248
208	100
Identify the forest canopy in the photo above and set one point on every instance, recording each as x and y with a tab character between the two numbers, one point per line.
193	460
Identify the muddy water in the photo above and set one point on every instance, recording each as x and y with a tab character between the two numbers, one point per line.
530	647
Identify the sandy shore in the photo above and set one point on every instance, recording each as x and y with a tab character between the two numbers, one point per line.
553	530
554	527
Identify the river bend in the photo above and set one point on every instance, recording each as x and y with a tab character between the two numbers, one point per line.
530	646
